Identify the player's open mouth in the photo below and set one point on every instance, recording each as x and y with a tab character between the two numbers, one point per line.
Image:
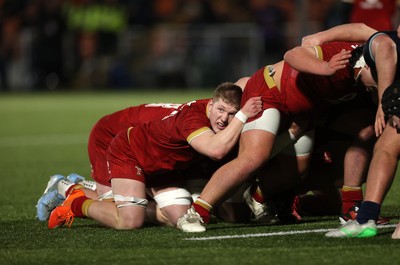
221	125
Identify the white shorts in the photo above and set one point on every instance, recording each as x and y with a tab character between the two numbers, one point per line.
285	142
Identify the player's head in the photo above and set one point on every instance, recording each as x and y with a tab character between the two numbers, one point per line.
229	93
391	103
360	70
224	105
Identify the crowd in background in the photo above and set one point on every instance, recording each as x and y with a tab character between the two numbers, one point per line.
126	44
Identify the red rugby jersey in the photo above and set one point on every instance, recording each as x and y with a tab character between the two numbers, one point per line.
163	145
375	14
302	92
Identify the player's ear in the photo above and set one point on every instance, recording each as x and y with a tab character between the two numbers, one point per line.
210	103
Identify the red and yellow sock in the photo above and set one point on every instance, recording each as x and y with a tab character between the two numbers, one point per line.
80	206
73	187
350	196
257	194
203	208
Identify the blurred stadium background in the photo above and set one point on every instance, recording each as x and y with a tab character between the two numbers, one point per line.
129	44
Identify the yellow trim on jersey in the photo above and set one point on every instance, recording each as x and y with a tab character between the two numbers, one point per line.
197	133
127	133
319	52
268	78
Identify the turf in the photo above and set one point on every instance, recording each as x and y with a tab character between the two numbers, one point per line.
44	134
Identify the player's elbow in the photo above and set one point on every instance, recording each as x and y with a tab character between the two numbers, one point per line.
362	26
365	29
290	55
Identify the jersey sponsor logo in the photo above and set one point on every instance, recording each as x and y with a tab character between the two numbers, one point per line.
371	4
180	107
163	105
139	171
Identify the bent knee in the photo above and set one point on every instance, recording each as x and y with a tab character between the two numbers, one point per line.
129	224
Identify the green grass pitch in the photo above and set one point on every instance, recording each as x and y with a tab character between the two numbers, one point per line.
46	133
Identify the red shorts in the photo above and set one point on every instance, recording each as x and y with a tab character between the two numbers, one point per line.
99	141
261	84
121	160
123	164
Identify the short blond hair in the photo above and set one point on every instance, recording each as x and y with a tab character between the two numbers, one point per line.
229	93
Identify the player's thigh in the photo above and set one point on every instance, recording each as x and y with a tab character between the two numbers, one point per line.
256	146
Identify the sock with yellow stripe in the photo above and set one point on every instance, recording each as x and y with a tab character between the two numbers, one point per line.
257	194
73	187
203	208
350	197
80	206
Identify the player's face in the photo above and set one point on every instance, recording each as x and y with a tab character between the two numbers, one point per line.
221	114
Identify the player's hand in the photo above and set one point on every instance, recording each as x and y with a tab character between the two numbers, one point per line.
379	121
337	62
252	107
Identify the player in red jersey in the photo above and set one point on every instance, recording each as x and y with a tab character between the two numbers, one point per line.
377	14
150	150
107	128
100	138
310	83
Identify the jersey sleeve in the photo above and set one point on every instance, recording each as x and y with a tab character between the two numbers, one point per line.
193	122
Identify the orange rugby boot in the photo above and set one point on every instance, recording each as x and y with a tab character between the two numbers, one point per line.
63	214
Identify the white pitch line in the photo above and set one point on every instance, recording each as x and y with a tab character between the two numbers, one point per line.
283	233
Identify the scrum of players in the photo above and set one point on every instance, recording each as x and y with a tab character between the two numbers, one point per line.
298	137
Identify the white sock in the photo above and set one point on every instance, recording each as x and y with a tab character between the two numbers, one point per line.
63	186
88	184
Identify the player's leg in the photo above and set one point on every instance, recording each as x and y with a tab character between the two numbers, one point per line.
274	191
54	193
383	167
173	202
234	209
380	177
255	148
127	211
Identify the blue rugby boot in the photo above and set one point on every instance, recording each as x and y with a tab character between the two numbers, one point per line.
78	179
50	198
75	178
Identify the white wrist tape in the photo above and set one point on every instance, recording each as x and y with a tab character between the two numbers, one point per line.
240	115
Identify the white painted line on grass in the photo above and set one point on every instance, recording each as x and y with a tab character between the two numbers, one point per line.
283	233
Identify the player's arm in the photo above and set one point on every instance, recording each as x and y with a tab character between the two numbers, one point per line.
385	54
307	59
358	32
217	145
242	82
